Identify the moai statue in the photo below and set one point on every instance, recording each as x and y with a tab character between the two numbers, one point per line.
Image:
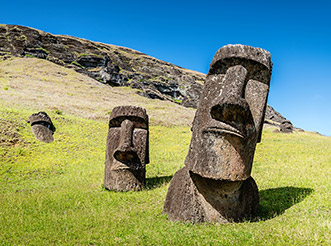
127	150
286	127
216	184
42	127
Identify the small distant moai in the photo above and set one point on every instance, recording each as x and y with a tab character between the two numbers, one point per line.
42	127
286	127
127	150
216	184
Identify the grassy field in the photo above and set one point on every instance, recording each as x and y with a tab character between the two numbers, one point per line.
53	193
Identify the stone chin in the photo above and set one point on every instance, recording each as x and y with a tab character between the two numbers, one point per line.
222	155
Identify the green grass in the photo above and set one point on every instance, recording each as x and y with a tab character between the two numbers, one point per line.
43	49
77	64
53	193
28	55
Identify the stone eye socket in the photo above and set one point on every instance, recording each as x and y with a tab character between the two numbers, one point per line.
137	122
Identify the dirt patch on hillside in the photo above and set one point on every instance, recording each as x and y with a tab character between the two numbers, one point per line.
9	133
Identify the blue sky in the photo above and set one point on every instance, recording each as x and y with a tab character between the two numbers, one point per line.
188	33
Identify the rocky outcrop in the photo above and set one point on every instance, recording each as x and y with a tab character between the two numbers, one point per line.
273	115
114	65
110	64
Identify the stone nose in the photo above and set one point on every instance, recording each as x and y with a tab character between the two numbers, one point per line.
230	107
126	135
234	82
125	152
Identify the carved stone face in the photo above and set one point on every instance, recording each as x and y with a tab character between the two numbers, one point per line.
128	138
127	148
42	127
229	120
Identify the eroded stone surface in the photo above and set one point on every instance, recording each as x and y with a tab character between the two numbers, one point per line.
227	125
42	127
127	150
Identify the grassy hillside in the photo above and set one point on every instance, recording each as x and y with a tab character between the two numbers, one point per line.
53	193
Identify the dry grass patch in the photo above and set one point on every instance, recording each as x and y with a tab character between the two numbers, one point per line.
41	85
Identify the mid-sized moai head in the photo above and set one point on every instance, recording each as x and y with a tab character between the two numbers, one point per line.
42	127
229	119
127	150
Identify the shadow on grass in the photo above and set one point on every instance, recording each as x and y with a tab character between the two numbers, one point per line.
155	182
275	201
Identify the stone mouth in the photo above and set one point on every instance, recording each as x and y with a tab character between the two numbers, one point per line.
224	129
117	165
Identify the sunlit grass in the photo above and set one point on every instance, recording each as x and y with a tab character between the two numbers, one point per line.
53	193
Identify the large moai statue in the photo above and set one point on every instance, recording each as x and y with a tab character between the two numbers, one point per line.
127	150
42	126
216	184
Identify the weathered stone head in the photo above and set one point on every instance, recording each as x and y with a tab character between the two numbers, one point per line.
127	150
42	127
286	127
215	185
229	119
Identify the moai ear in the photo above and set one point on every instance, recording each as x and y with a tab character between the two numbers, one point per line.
42	127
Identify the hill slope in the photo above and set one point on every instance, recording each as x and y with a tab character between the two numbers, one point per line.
38	84
114	65
110	64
